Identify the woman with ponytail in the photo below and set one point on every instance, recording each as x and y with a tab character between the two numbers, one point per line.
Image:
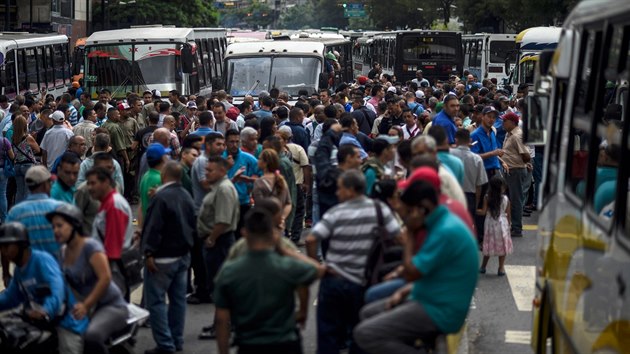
272	184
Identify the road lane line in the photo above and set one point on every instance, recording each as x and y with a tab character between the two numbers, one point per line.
522	282
518	337
530	227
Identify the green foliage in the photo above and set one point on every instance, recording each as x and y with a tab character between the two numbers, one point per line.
298	17
255	16
180	13
328	13
401	14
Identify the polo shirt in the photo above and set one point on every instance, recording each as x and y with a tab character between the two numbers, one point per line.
243	159
202	131
454	164
150	179
259	290
113	224
262	113
219	206
475	175
485	143
443	120
513	147
60	192
349	139
448	262
349	226
32	213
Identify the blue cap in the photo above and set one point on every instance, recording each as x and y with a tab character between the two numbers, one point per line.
156	151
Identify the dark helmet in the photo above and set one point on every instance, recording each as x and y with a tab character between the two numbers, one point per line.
70	213
13	232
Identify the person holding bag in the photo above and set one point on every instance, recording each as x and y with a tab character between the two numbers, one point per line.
24	147
87	272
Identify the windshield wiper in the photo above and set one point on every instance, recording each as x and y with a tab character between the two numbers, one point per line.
253	87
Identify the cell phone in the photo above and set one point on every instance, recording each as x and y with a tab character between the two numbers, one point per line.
474	143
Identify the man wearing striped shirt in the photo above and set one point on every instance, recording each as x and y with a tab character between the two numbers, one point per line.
349	227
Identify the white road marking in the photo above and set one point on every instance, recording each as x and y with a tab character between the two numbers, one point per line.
522	281
518	337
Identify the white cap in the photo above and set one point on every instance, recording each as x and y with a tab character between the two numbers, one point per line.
419	94
391	89
58	116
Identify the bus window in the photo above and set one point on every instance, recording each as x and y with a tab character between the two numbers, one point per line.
22	71
429	48
9	76
500	50
477	53
201	68
41	67
58	65
66	64
50	66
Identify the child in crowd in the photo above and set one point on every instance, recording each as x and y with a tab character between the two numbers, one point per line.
496	240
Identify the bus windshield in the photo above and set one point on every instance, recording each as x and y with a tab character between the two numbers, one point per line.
501	50
126	67
290	74
423	48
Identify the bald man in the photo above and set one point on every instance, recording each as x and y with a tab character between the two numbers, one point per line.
161	136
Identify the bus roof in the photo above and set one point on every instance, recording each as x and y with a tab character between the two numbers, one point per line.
588	10
153	34
282	47
12	40
539	38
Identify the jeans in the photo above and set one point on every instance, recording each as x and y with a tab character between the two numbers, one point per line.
199	268
338	306
471	199
396	330
215	257
298	218
167	321
383	290
515	180
3	196
20	172
244	208
106	321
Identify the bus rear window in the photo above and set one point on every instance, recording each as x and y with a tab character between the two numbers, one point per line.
423	48
499	51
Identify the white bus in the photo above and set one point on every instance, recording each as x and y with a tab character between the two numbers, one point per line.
32	63
155	57
485	54
289	65
529	44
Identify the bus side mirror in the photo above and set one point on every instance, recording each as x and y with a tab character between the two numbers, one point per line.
534	116
187	59
544	61
217	83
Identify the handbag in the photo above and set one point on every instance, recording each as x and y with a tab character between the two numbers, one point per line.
376	257
131	264
9	168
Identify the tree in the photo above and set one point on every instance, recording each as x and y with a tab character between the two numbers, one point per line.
401	14
329	13
298	17
180	13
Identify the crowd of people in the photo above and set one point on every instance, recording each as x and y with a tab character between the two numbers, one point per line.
392	188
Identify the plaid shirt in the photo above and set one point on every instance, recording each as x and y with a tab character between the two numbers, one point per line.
32	213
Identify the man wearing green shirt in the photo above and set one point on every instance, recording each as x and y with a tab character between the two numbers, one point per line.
64	187
262	307
189	155
117	136
157	155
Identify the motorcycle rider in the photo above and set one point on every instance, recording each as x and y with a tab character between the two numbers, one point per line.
87	271
33	270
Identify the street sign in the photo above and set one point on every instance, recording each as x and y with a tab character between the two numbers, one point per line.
349	13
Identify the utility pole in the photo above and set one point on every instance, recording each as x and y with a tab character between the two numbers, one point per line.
30	28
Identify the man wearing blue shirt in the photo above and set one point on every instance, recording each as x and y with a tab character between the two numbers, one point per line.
266	104
33	270
446	118
443	275
349	135
206	120
243	172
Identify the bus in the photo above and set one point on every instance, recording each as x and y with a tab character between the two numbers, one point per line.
485	54
78	59
529	44
401	53
291	65
34	63
582	289
155	58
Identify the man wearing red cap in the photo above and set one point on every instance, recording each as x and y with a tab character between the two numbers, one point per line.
516	156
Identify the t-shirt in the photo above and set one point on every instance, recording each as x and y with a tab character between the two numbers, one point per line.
454	163
143	137
448	262
150	179
243	159
259	290
298	161
83	279
61	193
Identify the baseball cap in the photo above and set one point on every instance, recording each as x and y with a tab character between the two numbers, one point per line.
191	105
419	94
156	151
391	89
426	174
156	94
504	99
123	106
36	175
511	116
391	140
232	113
58	116
362	79
490	109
